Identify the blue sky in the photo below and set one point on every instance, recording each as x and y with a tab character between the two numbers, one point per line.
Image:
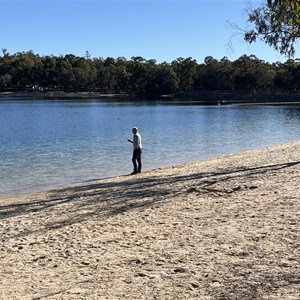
163	30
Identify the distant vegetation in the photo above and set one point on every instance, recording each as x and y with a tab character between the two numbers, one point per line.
137	76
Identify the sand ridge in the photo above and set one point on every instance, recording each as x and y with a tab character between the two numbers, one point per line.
225	228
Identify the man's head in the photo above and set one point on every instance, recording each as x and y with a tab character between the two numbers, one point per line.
134	130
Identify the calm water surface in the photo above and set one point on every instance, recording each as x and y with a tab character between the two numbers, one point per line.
50	144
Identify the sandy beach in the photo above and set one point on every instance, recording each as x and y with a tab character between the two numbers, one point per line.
220	229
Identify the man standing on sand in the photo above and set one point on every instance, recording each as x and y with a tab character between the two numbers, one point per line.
137	151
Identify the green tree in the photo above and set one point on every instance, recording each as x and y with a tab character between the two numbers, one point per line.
65	74
287	75
246	75
5	68
137	79
25	69
225	74
49	78
167	79
122	75
109	79
292	6
84	74
206	74
186	71
277	23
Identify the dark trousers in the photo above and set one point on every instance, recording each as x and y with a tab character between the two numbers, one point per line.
136	160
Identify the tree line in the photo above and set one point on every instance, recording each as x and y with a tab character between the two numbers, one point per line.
138	76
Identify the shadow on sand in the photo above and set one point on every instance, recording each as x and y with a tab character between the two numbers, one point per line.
106	199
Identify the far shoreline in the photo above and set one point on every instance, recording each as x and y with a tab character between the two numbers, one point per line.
213	97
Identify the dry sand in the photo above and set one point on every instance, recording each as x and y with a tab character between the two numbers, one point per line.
226	228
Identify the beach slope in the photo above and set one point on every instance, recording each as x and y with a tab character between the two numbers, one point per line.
225	228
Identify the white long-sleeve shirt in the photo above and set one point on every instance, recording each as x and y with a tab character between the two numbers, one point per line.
137	141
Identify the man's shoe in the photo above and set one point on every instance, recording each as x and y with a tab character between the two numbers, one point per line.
133	173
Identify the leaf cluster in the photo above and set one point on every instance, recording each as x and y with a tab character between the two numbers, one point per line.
277	23
286	7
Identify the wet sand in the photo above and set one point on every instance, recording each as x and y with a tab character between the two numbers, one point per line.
220	229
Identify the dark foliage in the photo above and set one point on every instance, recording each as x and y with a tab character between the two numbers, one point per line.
137	76
277	23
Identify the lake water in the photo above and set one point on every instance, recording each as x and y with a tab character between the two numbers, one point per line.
53	143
